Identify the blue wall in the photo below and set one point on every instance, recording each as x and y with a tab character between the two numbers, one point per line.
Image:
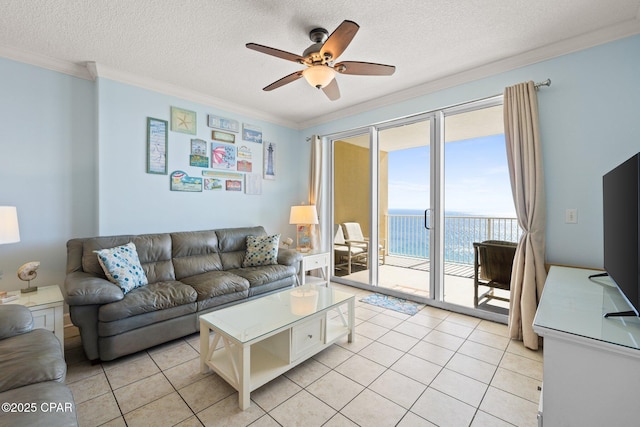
132	201
73	161
47	164
589	122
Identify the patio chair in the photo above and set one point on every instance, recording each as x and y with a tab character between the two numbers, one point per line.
353	233
492	262
348	253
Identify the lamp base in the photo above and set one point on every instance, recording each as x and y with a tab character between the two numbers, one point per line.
28	290
303	239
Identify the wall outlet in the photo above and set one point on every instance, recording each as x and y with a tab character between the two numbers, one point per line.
571	216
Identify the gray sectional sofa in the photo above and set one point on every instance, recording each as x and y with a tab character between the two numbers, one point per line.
189	274
32	373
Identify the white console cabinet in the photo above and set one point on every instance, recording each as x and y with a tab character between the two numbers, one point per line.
591	363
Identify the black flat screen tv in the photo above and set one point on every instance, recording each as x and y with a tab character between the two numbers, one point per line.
621	199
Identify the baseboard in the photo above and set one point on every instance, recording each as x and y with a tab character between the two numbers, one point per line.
70	330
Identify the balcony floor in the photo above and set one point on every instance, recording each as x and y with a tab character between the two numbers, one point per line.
411	276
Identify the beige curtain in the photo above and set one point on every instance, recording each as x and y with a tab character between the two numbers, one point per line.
524	156
315	188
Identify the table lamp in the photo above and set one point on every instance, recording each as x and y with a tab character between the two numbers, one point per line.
303	216
9	231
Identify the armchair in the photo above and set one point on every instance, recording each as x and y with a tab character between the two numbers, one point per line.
353	233
348	253
493	260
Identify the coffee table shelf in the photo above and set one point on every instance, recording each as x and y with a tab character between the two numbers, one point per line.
265	337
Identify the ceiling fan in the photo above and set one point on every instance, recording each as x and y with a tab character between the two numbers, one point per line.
320	60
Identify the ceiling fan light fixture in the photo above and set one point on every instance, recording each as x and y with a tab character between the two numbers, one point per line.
319	75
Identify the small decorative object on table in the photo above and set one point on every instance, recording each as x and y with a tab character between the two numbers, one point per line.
287	242
5	297
28	272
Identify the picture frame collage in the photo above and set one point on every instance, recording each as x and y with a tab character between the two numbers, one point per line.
227	165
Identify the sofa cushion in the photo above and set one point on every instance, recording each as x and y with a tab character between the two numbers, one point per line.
122	266
195	252
31	358
118	327
258	276
232	243
261	250
90	263
216	283
153	297
154	252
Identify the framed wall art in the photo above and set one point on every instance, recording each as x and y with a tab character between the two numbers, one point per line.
180	181
223	156
217	135
269	158
183	120
199	147
157	145
253	184
222	123
252	133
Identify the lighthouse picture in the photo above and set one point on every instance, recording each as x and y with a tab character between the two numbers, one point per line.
269	160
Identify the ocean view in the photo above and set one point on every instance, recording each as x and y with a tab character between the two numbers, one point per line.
407	235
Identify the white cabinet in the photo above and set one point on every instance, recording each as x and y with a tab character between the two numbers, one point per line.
591	363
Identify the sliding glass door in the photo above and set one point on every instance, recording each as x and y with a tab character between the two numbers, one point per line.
410	198
352	207
404	257
478	205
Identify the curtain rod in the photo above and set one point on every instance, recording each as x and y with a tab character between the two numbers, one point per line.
535	85
544	83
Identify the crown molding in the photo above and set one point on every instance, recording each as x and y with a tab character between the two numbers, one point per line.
564	47
102	71
47	62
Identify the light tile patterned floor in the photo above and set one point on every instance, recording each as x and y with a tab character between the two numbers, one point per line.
433	368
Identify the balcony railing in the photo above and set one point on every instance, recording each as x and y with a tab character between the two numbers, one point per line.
407	236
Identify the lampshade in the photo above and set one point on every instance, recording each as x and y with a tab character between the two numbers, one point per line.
319	75
9	232
305	214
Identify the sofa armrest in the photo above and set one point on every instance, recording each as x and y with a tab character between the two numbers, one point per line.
14	320
289	257
86	289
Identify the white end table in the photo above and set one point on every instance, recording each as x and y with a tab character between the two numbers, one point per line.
311	261
46	306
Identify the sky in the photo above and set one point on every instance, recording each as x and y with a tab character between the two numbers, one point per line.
476	178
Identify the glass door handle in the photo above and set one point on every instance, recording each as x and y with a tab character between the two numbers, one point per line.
426	219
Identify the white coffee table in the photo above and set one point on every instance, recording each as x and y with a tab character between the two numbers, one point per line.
265	337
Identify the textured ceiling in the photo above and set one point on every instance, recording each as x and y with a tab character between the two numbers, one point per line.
198	46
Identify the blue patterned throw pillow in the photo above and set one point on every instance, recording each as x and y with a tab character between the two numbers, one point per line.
261	250
122	266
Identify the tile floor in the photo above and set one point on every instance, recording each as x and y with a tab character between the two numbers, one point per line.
433	368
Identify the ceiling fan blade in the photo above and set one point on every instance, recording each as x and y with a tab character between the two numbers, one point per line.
283	81
276	52
364	68
339	39
332	90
